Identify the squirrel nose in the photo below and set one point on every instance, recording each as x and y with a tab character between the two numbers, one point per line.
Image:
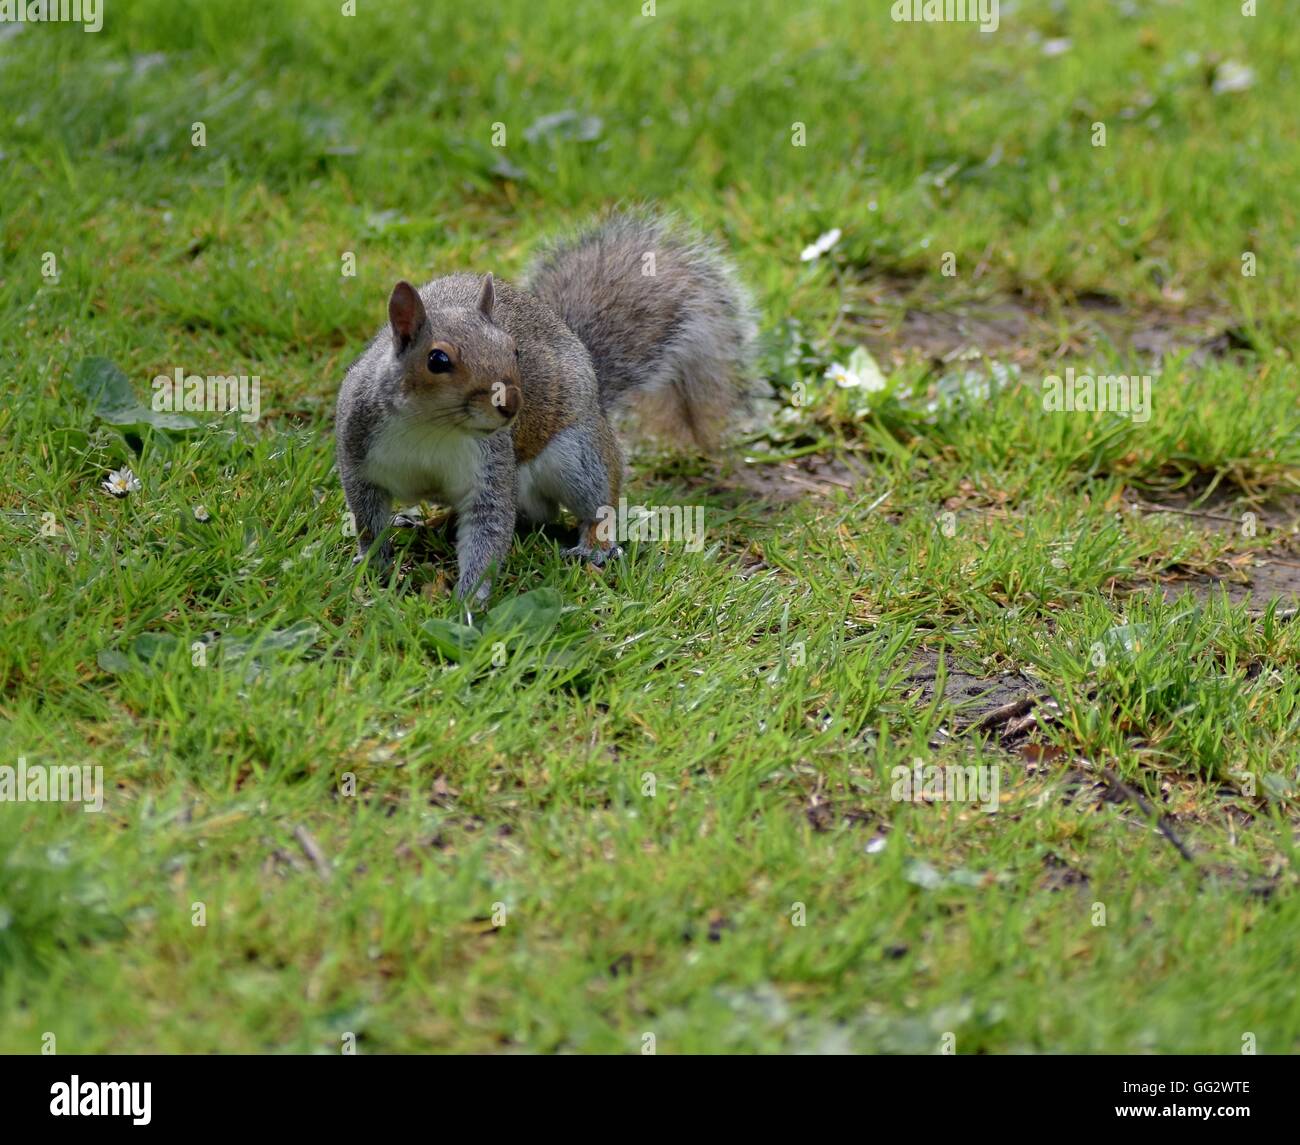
508	403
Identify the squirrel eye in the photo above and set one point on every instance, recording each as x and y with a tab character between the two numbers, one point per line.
439	363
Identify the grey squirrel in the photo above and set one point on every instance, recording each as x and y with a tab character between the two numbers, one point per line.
496	400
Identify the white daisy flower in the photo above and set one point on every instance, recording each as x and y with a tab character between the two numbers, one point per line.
200	513
843	377
121	482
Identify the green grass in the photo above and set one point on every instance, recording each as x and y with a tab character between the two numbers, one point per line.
610	827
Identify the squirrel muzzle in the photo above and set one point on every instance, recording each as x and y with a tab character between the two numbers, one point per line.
507	399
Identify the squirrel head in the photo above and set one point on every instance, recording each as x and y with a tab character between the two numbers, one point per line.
458	366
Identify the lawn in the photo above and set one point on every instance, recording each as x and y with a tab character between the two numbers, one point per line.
661	806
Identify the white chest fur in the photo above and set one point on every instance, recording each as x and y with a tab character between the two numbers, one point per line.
416	462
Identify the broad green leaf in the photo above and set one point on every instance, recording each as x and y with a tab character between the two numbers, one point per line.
109	393
114	662
535	612
151	646
291	639
455	641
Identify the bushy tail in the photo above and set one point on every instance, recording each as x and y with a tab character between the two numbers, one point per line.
664	317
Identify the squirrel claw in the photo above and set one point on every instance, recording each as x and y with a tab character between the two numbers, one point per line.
596	555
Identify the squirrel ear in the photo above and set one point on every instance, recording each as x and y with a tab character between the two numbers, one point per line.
405	314
487	297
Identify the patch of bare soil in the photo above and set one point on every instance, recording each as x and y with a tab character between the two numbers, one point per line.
814	475
1255	576
896	321
1225	511
1258	579
972	697
778	482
